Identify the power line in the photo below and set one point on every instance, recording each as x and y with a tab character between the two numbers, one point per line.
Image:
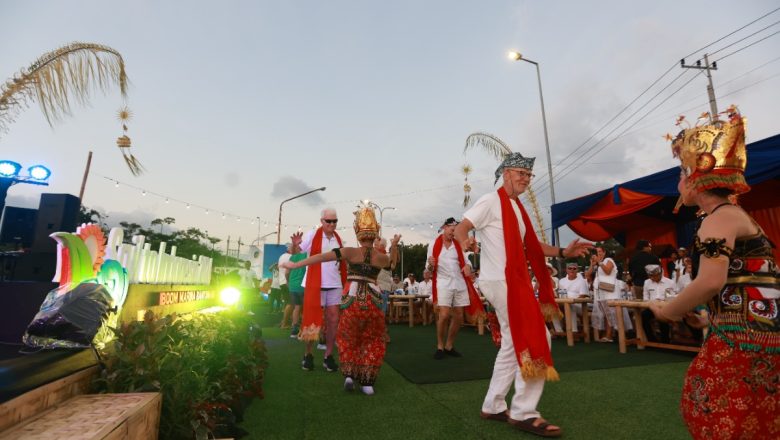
745	47
658	80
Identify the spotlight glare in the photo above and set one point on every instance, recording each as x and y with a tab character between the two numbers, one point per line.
9	168
39	172
229	296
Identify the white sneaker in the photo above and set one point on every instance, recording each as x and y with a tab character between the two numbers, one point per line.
321	346
368	390
349	384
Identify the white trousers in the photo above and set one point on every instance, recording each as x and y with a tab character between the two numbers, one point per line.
506	370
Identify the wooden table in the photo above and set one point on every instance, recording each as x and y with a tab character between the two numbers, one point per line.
410	300
641	339
570	317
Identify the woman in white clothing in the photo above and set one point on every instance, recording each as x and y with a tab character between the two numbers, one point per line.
604	289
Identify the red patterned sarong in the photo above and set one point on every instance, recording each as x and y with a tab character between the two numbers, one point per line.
361	338
732	394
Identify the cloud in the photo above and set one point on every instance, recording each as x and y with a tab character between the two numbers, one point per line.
289	186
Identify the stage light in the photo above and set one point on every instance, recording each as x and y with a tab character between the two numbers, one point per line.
39	172
229	296
9	168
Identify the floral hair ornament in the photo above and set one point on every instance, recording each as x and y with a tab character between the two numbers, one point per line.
713	155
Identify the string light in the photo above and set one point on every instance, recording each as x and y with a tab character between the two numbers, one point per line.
265	223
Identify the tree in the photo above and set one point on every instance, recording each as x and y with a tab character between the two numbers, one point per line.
157	221
87	215
130	228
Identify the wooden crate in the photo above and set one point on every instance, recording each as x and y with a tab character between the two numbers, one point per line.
95	416
36	401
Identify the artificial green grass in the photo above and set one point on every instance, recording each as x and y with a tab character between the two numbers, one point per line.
638	402
411	354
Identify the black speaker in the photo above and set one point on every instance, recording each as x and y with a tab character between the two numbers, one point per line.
56	213
17	227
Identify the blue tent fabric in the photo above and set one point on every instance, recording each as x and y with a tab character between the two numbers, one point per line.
763	164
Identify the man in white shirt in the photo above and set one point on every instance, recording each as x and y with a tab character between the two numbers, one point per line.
425	287
452	295
573	285
330	288
657	288
283	274
506	235
411	285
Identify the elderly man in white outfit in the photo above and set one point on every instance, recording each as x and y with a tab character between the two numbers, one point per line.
491	215
573	285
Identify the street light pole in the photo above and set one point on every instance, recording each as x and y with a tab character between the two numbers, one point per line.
519	57
381	212
279	224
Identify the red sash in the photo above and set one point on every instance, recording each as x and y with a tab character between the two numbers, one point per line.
526	314
312	307
474	308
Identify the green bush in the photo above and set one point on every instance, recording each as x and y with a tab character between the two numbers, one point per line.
207	367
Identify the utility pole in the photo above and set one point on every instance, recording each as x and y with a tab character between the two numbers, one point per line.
710	88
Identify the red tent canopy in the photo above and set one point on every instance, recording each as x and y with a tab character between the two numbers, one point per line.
642	208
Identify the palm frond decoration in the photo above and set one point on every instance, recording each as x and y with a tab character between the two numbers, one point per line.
490	143
497	148
59	77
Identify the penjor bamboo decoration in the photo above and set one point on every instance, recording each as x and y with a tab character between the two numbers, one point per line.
498	149
61	76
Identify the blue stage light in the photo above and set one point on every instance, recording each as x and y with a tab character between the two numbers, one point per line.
39	172
9	168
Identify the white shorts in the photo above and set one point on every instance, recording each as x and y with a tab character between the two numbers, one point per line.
330	297
453	297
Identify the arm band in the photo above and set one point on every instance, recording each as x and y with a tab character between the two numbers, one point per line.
560	252
337	251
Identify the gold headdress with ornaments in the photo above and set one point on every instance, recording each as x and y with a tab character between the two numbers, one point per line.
366	226
714	155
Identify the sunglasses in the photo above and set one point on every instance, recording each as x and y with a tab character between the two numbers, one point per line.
330	221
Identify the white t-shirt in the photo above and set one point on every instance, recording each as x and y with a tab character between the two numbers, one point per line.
425	287
283	273
411	287
485	215
602	277
572	288
658	291
331	277
683	281
448	274
247	278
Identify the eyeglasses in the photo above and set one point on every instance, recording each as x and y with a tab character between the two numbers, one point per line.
571	268
330	221
524	173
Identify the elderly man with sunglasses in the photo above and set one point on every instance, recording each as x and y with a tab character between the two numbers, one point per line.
322	288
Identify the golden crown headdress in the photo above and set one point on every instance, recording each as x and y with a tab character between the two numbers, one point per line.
714	155
366	226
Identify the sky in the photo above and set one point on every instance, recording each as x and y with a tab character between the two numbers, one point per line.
239	105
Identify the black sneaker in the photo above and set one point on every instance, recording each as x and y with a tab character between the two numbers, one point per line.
439	354
452	352
308	362
329	364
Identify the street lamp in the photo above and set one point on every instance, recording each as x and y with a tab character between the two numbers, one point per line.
516	56
279	224
9	176
381	212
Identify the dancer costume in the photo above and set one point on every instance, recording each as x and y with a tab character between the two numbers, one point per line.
361	335
732	388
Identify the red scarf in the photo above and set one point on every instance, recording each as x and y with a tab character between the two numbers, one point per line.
312	307
526	314
474	308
